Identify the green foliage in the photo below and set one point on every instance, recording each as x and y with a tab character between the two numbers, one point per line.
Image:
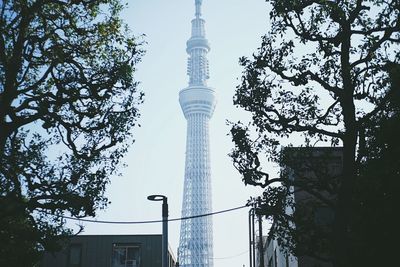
326	70
68	102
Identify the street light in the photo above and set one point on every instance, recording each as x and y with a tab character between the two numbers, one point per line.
164	199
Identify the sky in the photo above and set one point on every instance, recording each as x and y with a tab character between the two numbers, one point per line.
155	163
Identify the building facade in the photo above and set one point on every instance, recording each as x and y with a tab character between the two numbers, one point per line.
321	167
197	102
109	251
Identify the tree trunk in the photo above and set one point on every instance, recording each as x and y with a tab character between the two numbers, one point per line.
342	244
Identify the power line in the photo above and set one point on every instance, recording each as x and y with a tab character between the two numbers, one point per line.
151	221
230	257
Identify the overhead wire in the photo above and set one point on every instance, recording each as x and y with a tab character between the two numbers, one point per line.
233	256
159	221
150	221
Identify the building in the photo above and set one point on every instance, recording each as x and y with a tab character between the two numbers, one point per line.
197	102
320	166
275	257
109	251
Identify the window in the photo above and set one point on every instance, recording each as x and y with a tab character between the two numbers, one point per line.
75	254
126	255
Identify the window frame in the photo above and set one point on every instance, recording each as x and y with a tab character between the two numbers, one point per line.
126	246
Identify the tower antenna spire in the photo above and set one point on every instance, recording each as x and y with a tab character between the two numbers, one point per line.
198	8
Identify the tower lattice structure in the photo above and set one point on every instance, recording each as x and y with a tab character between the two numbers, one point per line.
197	102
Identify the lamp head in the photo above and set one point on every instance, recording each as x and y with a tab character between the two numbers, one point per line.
156	197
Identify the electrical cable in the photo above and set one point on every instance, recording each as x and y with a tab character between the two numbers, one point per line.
151	221
233	256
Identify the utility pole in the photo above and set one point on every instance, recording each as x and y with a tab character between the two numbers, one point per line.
260	239
252	242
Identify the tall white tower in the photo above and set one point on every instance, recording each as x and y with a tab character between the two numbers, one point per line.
198	102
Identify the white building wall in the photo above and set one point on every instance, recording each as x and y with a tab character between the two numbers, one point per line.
275	257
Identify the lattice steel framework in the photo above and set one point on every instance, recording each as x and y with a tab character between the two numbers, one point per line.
198	102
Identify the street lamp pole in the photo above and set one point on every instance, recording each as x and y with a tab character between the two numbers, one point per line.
165	233
164	199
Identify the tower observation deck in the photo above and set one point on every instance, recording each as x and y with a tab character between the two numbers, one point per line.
197	102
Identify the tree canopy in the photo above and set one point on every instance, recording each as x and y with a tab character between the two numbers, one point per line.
68	102
325	70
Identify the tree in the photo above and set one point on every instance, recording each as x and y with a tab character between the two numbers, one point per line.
375	200
68	102
322	71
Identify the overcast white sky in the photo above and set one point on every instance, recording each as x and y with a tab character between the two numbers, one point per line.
155	163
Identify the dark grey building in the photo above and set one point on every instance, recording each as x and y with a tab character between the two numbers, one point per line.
320	168
109	251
